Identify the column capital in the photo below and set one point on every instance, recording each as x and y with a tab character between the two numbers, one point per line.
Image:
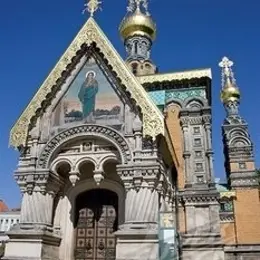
141	176
39	180
184	120
206	119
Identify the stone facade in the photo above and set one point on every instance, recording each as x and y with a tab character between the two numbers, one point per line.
154	156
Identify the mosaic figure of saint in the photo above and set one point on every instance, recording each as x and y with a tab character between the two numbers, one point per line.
87	94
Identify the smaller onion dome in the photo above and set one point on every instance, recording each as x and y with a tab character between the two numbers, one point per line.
138	23
230	92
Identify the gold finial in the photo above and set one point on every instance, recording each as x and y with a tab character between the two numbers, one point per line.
91	6
229	92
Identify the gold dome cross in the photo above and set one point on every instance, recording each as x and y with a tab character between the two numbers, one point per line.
91	6
134	5
226	65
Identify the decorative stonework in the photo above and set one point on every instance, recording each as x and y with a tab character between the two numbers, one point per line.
182	95
39	181
226	217
206	197
195	120
146	176
153	123
85	130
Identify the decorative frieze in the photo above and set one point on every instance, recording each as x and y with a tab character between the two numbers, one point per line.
195	120
199	198
226	217
182	95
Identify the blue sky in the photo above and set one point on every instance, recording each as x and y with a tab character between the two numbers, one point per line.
191	34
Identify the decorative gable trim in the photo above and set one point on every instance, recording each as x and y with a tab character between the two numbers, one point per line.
153	121
199	73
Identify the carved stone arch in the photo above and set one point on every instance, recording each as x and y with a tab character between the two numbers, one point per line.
103	132
239	141
236	132
173	102
106	159
59	162
195	103
83	160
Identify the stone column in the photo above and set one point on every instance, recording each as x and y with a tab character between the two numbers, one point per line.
142	207
186	152
37	208
209	152
137	128
34	237
39	190
137	238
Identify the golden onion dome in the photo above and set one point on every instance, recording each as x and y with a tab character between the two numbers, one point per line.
138	23
230	92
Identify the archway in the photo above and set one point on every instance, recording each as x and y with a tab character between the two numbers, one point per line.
96	220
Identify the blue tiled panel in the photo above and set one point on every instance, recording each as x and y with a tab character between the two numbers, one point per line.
158	97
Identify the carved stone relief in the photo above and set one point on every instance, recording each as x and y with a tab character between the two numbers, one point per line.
85	130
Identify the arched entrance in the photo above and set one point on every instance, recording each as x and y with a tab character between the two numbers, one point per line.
96	220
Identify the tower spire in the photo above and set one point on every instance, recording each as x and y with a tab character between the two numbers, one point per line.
138	31
230	94
238	147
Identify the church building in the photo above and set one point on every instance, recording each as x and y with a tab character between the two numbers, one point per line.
116	158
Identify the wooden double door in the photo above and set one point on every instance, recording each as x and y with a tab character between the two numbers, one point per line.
96	222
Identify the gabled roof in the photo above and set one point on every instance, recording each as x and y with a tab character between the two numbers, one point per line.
153	121
3	206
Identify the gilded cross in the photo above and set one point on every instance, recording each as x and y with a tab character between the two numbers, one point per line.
134	5
226	65
92	6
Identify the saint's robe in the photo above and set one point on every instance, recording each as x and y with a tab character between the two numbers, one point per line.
87	96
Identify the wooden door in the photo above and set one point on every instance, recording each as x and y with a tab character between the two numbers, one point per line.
95	227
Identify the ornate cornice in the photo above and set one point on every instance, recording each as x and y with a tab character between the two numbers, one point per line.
153	121
200	73
199	197
226	217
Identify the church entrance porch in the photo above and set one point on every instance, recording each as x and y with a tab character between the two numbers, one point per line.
96	221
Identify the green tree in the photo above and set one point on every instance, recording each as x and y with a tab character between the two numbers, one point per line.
258	173
2	250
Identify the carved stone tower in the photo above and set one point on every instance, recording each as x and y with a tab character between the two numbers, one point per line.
240	169
138	31
238	147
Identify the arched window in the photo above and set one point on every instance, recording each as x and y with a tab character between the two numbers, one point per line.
135	47
134	68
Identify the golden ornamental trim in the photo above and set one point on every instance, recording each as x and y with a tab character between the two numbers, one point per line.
153	121
200	73
227	194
